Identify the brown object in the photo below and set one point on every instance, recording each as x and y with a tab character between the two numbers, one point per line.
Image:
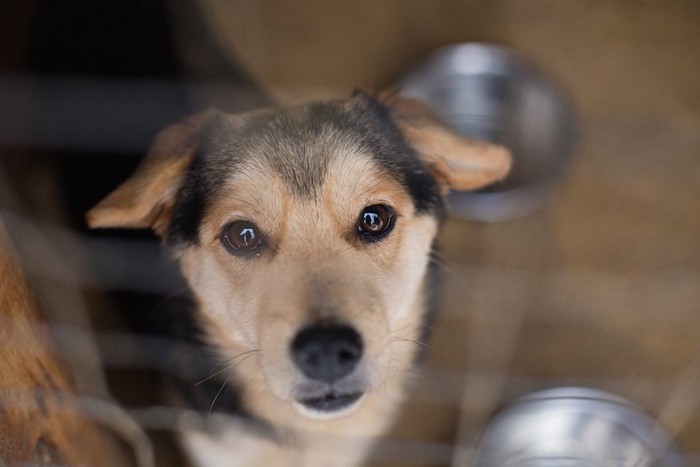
40	422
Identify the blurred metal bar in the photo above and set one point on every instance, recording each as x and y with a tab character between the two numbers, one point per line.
84	113
133	265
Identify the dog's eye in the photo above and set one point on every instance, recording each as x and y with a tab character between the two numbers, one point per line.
241	238
375	222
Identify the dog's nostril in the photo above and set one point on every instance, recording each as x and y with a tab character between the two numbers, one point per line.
327	352
346	356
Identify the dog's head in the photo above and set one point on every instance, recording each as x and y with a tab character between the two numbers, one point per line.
305	234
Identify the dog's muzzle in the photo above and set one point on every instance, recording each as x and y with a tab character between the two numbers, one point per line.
325	354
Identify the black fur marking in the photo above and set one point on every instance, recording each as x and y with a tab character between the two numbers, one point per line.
297	144
432	288
191	203
197	375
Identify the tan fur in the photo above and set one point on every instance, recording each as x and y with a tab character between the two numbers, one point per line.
244	314
319	269
146	199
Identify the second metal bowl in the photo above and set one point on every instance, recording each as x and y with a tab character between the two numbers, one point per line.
575	427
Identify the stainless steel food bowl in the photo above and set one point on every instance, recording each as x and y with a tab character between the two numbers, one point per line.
490	93
575	427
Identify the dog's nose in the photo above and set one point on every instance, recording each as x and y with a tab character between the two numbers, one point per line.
327	352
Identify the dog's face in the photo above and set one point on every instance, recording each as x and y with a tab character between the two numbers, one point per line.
305	235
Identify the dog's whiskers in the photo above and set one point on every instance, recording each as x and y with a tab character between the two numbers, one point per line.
212	375
403	368
175	295
256	381
243	356
413	341
438	260
396	363
211	407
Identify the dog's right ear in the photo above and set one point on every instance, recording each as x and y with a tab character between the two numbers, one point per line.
146	199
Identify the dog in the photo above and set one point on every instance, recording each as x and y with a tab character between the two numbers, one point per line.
305	235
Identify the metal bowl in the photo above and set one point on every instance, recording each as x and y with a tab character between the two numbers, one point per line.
490	93
575	427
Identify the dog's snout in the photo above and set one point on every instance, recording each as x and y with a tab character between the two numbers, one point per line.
327	352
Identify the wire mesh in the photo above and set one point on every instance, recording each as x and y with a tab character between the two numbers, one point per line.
599	289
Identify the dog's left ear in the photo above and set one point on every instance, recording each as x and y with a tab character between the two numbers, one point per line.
146	199
458	162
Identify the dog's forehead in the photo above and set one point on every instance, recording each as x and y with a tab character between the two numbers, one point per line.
295	144
298	145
